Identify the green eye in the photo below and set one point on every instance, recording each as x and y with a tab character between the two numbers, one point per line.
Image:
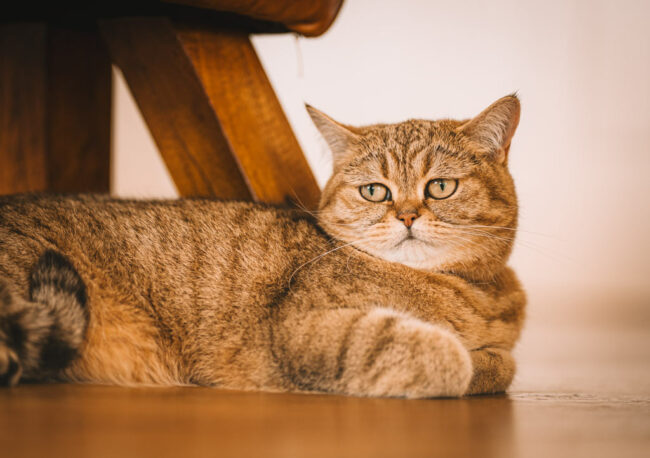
440	188
375	192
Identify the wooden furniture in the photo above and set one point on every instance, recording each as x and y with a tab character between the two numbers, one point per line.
194	75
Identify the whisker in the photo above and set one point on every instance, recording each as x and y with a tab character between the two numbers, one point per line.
505	229
299	203
526	244
466	240
316	258
487	235
519	241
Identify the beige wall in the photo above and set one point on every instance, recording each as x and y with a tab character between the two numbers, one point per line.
581	157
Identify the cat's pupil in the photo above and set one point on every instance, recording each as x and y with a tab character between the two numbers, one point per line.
371	190
442	185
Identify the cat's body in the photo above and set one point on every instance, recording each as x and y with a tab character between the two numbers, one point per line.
247	296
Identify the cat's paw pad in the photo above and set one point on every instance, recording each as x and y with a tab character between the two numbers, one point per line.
10	368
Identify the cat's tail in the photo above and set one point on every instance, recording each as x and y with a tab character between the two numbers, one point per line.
41	335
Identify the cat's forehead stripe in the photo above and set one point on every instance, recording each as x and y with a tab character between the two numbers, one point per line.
384	165
369	157
428	161
389	164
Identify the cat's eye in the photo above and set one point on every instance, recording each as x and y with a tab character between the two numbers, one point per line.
441	188
375	192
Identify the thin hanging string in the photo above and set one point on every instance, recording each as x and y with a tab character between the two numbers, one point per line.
299	61
324	158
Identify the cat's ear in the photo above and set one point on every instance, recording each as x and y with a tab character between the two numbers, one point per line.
494	127
339	137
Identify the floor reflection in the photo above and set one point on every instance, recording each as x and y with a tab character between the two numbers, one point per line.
104	421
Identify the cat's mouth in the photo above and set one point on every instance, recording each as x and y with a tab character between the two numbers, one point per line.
409	237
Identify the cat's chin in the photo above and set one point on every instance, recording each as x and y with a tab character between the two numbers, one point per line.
415	253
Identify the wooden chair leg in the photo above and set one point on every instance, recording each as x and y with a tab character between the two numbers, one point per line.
211	110
173	104
79	110
54	109
23	82
250	114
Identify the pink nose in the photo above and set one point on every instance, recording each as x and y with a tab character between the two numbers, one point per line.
407	218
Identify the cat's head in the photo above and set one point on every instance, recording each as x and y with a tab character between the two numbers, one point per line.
434	195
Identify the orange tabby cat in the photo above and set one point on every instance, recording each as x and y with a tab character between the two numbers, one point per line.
397	287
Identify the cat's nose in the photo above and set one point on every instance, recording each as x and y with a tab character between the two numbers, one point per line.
407	217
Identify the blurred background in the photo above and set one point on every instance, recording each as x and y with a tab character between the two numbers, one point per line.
580	158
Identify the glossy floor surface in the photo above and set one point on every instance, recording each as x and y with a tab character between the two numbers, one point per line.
583	389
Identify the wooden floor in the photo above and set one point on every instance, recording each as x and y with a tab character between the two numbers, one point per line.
583	390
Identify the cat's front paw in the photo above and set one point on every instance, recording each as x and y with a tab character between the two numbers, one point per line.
494	369
410	358
10	368
444	363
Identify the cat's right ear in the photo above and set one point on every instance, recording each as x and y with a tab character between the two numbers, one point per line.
339	137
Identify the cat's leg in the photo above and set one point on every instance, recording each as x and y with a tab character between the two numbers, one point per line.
40	335
376	352
494	369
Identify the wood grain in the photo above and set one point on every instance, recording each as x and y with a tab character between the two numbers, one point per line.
175	107
250	114
79	109
80	421
23	82
55	109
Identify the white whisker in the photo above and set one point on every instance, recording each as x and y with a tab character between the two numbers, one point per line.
320	256
505	229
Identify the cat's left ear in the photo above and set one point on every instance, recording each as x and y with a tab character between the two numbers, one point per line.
494	127
339	137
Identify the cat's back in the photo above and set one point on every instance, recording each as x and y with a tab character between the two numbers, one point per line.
137	240
104	217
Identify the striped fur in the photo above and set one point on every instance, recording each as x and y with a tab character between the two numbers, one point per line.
255	297
41	336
